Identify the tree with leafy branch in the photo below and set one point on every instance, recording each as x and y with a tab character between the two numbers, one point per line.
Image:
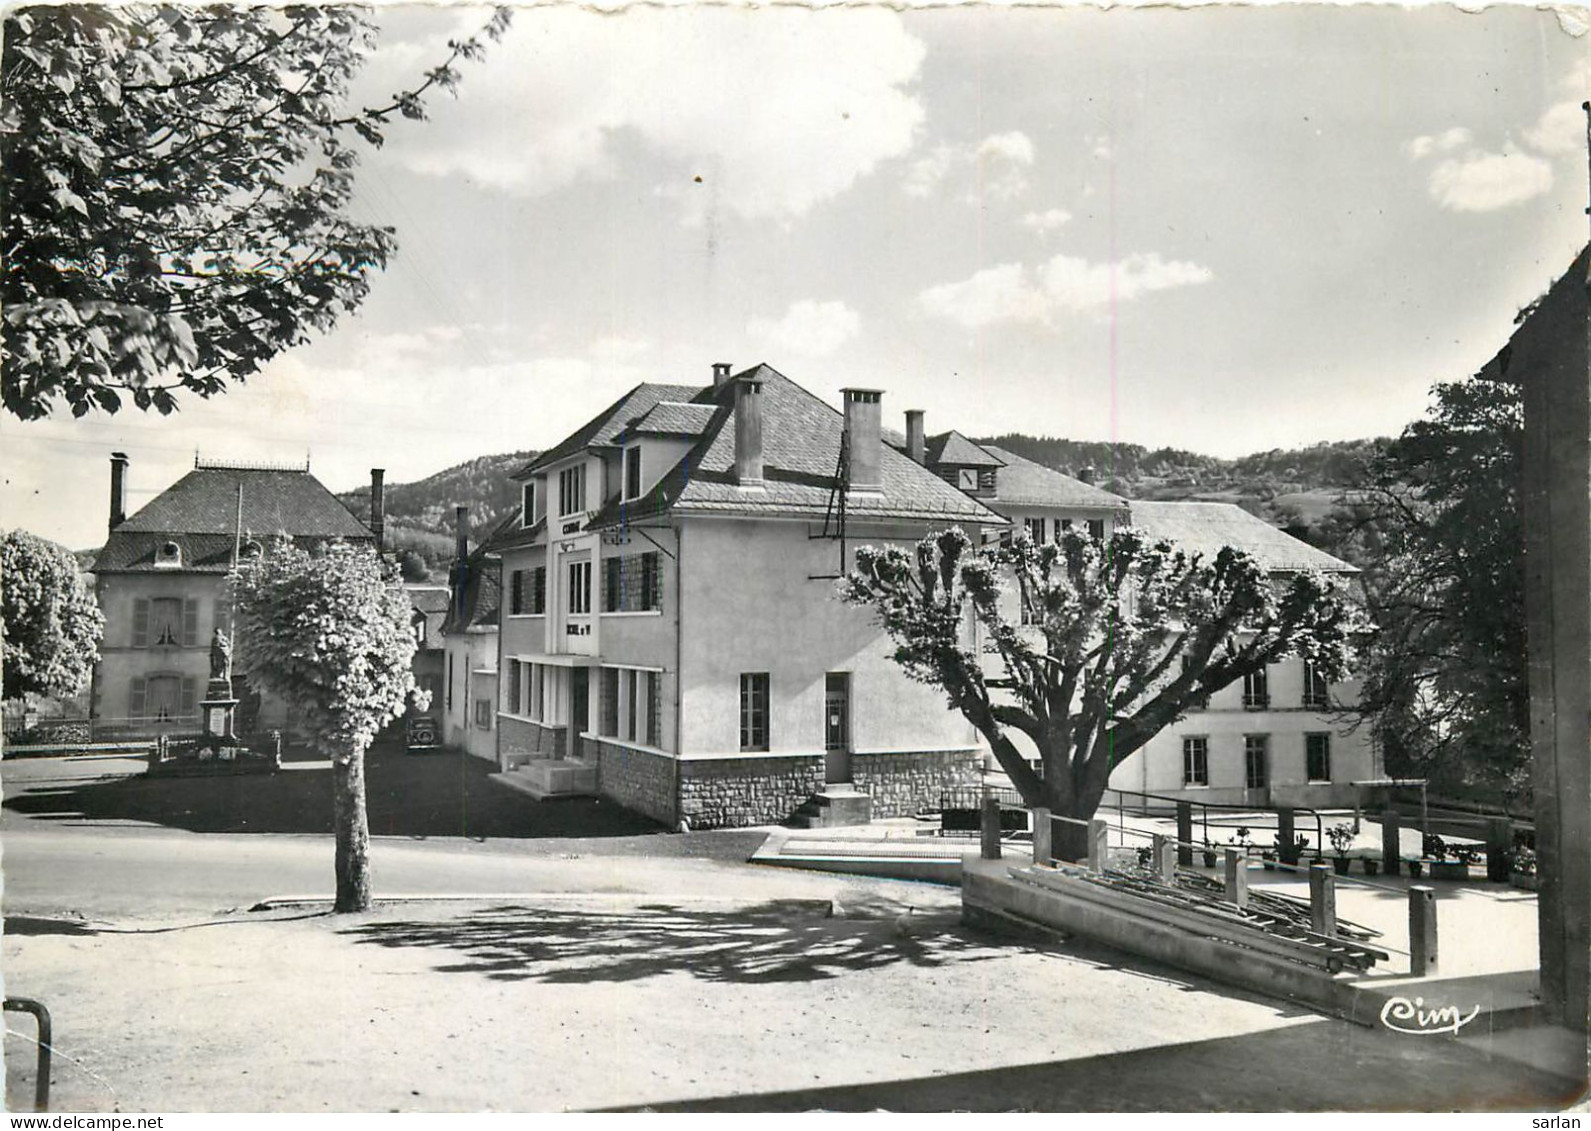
328	630
1112	642
174	183
1445	687
51	621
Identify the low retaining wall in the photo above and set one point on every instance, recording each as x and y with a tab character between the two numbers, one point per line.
639	780
520	740
734	792
907	783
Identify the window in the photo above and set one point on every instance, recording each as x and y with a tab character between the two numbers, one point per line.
527	504
986	480
754	711
165	622
1202	703
516	593
483	714
1256	691
572	490
162	699
837	711
513	687
1065	524
632	584
1316	695
1317	757
537	603
1036	530
1096	529
631	681
608	723
1196	760
654	709
578	598
967	479
632	473
1256	761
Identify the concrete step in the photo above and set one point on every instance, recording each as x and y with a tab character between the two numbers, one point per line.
547	778
834	806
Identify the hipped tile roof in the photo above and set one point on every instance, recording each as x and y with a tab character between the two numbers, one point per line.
801	448
610	423
670	418
954	449
199	513
1021	482
1204	528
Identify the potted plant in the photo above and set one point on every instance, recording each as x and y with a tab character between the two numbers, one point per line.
1146	856
1341	840
1522	871
1416	868
1209	853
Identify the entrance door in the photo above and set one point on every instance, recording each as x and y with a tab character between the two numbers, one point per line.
837	727
579	708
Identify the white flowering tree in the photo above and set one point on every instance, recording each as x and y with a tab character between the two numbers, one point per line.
52	624
1114	640
328	630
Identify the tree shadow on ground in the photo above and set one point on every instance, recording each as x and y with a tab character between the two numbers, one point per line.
774	941
431	795
1319	1066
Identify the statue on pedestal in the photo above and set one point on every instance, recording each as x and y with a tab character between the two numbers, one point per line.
220	655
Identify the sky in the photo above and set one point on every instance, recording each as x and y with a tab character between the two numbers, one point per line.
1225	230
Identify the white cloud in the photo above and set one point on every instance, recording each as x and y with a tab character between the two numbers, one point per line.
776	109
1064	285
1485	182
618	350
1445	142
1048	221
1560	132
813	329
994	168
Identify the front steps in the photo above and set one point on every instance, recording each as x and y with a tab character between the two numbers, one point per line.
549	778
833	806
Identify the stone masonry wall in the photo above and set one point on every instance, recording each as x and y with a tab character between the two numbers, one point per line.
903	784
735	792
639	781
519	741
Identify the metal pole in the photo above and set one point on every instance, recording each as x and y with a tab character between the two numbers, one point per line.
41	1086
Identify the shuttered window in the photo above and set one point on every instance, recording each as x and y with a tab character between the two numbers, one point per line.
632	584
654	709
516	593
538	591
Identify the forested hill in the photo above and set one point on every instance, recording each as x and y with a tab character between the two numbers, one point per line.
420	514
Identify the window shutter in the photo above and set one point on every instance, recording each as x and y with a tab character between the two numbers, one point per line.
538	600
138	696
141	624
190	698
190	622
652	580
516	592
610	585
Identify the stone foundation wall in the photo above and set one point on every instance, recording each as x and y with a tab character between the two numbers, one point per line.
903	784
735	792
520	741
639	781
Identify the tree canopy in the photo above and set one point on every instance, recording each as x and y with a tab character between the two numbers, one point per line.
329	631
174	182
1111	641
51	621
1445	685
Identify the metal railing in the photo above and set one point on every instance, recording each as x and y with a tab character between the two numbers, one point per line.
41	1085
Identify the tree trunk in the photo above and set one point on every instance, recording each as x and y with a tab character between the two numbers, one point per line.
352	827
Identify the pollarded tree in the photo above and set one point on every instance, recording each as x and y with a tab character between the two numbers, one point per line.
52	623
175	188
1115	639
329	632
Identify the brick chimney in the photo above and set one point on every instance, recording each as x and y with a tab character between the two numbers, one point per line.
720	374
461	554
378	507
916	446
748	432
118	489
862	408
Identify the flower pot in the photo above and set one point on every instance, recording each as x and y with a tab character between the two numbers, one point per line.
1269	861
1340	865
1372	867
1209	859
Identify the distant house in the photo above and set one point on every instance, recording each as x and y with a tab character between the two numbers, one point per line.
161	582
466	700
430	603
670	633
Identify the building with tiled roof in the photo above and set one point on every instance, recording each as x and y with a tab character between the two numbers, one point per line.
161	582
466	698
670	636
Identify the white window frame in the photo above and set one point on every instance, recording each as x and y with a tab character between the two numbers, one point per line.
527	503
632	461
572	491
577	592
1202	763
